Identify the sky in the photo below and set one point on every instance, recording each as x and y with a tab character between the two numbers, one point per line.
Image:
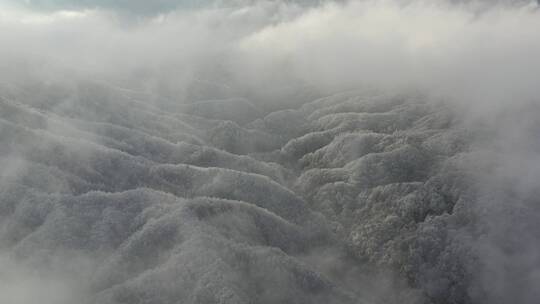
135	6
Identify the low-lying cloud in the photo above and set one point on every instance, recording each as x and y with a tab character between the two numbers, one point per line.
475	52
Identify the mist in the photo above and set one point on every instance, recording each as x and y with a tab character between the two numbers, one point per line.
370	151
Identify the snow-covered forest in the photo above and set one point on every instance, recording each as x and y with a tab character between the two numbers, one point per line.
251	152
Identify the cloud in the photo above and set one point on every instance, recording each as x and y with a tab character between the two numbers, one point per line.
452	49
366	41
472	53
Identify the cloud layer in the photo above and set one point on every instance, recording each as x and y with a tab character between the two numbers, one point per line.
485	53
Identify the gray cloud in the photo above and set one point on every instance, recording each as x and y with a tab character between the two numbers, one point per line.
449	49
137	7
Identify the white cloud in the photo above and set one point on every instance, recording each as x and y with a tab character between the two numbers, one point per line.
472	53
